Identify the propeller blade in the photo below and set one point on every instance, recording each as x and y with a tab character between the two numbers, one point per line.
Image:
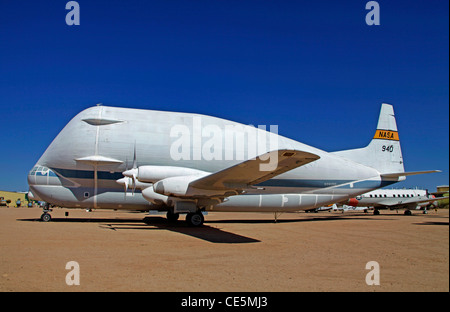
125	188
130	175
134	156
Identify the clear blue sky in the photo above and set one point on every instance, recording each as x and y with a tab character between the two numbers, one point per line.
314	68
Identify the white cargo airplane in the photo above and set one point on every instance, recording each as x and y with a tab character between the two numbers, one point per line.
345	208
191	163
408	199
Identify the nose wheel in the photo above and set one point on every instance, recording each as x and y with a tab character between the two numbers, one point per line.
46	217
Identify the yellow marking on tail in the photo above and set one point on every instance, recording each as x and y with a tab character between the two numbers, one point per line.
386	135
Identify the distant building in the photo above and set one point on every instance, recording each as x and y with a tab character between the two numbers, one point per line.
442	191
9	199
442	188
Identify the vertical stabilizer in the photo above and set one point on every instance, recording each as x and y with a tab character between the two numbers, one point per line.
383	152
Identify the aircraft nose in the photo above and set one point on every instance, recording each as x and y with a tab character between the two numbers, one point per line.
32	196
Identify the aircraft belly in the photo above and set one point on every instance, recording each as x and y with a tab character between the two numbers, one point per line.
83	197
275	202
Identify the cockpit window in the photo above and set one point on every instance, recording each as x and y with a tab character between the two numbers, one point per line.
42	171
33	171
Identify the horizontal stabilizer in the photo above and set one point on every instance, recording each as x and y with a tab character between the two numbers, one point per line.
404	174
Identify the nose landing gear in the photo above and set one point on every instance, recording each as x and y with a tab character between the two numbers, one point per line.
46	217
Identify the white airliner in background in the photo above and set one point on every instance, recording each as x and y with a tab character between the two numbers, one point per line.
408	199
134	159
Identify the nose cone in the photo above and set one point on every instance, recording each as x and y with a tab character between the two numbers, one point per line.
123	181
130	173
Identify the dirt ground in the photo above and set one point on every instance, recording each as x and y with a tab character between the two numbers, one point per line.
326	251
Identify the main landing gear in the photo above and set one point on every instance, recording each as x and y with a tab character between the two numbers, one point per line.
407	212
194	215
195	218
171	216
192	218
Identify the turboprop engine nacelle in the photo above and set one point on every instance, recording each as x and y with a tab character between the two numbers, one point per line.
155	198
176	186
154	174
179	187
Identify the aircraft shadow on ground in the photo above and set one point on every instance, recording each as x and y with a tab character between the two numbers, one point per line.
433	223
206	232
267	221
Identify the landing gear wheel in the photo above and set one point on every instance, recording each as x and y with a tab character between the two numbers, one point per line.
195	219
376	212
172	217
408	212
46	217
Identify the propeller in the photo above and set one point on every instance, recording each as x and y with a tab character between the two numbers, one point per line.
124	182
130	175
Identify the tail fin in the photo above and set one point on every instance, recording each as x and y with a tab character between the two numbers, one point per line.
383	152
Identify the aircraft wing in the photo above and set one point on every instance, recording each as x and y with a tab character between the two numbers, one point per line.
254	171
431	199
